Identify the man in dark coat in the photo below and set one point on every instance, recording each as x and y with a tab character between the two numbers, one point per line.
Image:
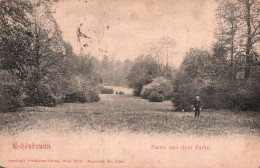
197	105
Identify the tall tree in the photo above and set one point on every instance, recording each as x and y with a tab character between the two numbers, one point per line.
144	70
228	20
163	52
15	37
31	46
47	50
239	32
250	17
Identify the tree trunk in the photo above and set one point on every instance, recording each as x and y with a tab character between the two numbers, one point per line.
232	45
249	41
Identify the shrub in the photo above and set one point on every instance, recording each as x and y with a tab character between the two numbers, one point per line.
92	95
10	92
147	90
47	99
39	96
9	98
104	90
89	96
155	97
75	97
159	85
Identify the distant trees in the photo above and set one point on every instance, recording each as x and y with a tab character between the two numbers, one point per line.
163	52
113	72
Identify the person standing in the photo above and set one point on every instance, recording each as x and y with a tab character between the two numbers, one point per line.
197	105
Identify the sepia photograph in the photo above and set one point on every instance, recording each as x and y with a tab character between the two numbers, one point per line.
129	83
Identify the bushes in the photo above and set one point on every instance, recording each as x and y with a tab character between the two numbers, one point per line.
75	97
10	92
223	88
41	96
9	98
104	90
91	95
155	97
160	86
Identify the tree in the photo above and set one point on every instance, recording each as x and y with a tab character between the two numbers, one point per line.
144	70
250	17
228	20
162	52
32	49
193	77
240	20
15	37
15	43
105	70
47	50
239	32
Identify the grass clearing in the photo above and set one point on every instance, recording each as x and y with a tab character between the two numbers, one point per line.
126	113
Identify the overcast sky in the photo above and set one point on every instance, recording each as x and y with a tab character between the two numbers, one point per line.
128	28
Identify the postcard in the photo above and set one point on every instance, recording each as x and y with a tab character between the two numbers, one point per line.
129	83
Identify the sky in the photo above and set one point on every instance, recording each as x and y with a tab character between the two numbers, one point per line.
126	29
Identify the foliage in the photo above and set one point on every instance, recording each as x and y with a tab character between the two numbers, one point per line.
10	93
113	72
239	32
92	95
33	52
89	96
9	99
142	73
42	96
75	97
155	97
217	83
159	85
104	90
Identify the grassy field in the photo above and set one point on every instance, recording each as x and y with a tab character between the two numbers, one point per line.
126	113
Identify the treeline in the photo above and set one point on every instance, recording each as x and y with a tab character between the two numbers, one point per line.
227	76
37	66
112	72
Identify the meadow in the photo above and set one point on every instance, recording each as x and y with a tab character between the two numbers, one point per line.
126	113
